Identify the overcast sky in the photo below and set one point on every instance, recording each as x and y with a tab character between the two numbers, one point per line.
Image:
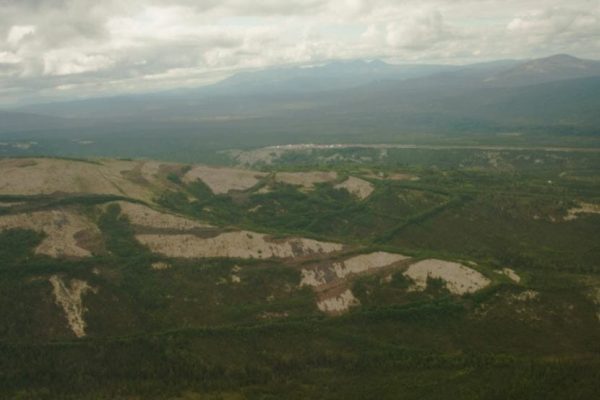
67	48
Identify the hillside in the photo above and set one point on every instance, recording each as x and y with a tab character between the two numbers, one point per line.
549	69
302	272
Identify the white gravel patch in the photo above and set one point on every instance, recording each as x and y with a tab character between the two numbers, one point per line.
510	273
60	227
527	295
223	180
160	266
49	176
338	304
306	180
366	262
141	215
314	278
357	187
458	278
238	244
69	298
318	275
595	297
584	208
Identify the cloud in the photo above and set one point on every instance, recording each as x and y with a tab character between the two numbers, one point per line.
66	62
557	24
18	33
422	31
9	58
87	47
558	30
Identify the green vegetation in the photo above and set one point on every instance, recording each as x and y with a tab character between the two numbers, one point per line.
119	235
17	245
192	331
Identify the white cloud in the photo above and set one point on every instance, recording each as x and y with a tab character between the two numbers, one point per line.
557	22
18	33
420	32
67	62
7	57
93	46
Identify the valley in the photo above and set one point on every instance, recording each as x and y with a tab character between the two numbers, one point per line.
301	199
171	280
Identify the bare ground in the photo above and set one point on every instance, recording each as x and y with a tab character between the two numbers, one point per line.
62	229
49	176
238	244
357	187
251	157
305	179
321	275
160	266
458	278
510	273
584	208
595	297
69	298
141	215
224	180
338	303
331	281
393	177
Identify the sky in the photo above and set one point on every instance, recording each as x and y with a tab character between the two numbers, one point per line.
63	49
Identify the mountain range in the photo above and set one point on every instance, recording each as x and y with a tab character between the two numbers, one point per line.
558	93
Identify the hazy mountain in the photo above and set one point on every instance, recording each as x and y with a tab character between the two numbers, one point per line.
574	101
342	96
549	69
24	121
236	96
330	76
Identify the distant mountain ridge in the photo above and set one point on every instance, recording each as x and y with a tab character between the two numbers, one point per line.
549	69
25	121
334	75
535	94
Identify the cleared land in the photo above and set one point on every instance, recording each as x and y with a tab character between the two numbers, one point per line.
64	231
223	180
511	274
332	281
338	303
160	266
321	275
144	216
306	180
239	244
57	176
69	298
583	208
357	187
204	307
457	278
